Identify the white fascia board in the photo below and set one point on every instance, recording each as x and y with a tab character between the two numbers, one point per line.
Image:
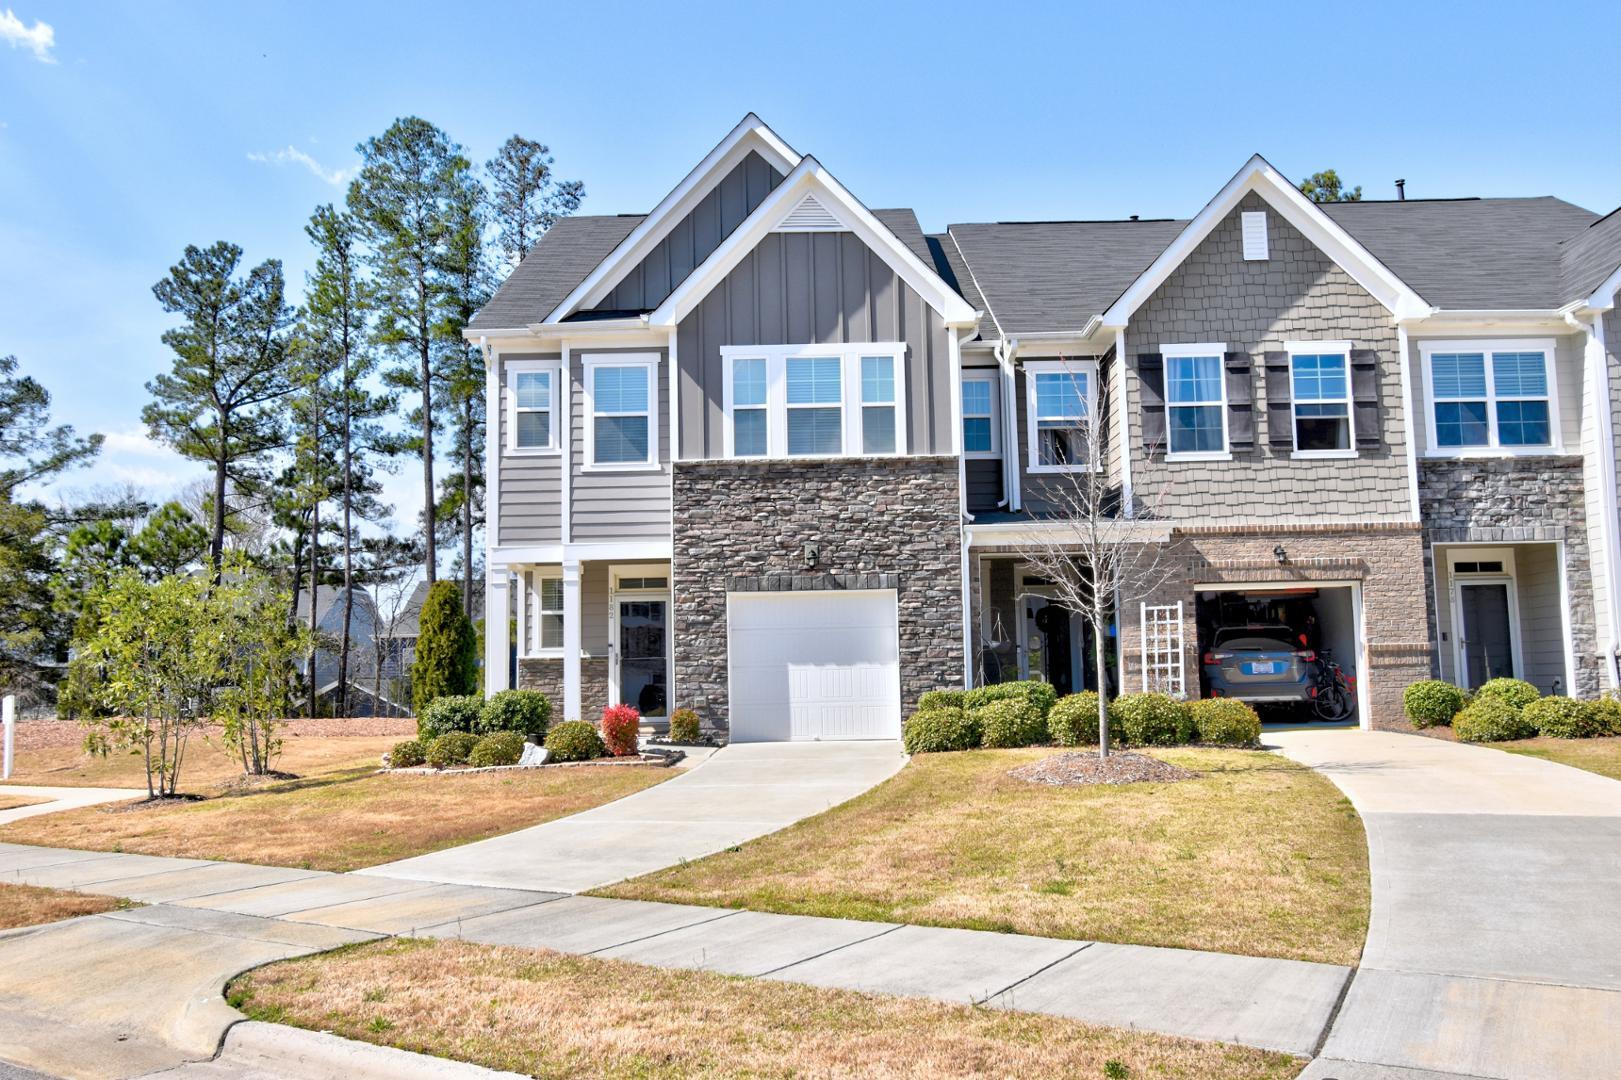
751	133
808	177
1459	321
1603	298
1259	176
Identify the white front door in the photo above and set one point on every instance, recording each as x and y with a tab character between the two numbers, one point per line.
814	665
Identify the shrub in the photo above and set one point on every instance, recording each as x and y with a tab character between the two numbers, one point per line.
1039	694
497	748
1565	718
1606	715
1152	719
447	714
1226	722
620	723
684	726
525	711
446	659
1074	720
407	755
1009	722
574	740
1491	719
950	699
1431	702
451	749
940	729
1515	692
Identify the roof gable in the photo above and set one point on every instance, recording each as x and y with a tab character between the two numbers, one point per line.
558	262
1590	263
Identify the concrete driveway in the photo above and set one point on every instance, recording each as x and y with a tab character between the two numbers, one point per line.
741	792
1494	946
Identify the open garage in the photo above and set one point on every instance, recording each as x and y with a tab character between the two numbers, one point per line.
1268	644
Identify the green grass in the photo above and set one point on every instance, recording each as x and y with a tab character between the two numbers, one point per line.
1602	756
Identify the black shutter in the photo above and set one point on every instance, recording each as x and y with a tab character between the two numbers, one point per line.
1280	418
1365	399
1240	402
1151	386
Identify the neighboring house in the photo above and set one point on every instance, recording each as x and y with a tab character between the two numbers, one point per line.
767	453
397	639
363	644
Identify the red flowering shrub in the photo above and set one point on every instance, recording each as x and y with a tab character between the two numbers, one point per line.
619	726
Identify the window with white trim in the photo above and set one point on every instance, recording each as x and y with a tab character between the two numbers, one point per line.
1320	397
981	426
549	612
532	398
815	400
1195	401
1491	397
1060	401
621	419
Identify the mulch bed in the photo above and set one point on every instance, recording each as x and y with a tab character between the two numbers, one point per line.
1075	768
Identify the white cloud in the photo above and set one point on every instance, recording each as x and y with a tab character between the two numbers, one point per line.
132	457
292	155
39	39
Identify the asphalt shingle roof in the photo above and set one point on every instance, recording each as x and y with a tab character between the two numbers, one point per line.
1590	256
568	252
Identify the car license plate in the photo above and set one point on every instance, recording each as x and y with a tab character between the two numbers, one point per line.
1262	667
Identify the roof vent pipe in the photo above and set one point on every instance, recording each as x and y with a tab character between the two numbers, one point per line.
1401	190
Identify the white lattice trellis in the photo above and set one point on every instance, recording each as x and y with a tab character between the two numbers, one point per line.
1162	649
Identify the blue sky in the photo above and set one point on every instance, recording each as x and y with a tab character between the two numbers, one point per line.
129	130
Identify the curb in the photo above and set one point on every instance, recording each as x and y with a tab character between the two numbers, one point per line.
255	1047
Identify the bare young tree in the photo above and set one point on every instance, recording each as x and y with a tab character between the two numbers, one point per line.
1098	551
391	598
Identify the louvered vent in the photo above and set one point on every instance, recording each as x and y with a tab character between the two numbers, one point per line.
1254	230
810	216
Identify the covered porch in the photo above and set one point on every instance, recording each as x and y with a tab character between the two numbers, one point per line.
1506	611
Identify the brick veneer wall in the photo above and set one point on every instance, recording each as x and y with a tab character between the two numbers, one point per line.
1511	501
545	673
876	522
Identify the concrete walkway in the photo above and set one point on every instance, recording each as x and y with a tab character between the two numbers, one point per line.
1494	948
61	798
738	793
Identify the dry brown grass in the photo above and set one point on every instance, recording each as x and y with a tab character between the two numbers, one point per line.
11	802
1602	756
341	819
549	1015
1257	856
30	905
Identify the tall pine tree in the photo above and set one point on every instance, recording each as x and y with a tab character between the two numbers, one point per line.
526	198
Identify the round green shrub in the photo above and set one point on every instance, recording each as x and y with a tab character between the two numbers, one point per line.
525	711
1074	720
1606	715
497	748
1491	719
1153	719
1226	722
451	748
1565	718
684	726
1010	722
451	713
934	699
1432	703
1039	694
407	755
940	729
574	740
1515	692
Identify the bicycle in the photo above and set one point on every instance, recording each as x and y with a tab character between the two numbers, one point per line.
1333	696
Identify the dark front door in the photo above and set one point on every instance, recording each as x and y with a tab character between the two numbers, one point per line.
643	669
1488	648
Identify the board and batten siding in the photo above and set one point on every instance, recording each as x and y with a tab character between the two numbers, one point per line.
618	505
531	484
812	289
694	237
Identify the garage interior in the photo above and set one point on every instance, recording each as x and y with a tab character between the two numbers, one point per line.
1324	614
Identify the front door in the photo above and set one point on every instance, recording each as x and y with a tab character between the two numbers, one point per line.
1486	634
643	676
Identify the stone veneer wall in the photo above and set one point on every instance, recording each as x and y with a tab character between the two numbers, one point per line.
876	522
545	673
1511	501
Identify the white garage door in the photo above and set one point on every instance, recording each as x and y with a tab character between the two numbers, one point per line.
814	665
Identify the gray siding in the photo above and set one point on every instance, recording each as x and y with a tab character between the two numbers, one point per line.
618	505
531	510
812	288
594	615
1542	624
653	279
1568	361
983	478
1298	293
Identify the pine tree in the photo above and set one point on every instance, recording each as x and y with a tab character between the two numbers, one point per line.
463	385
446	659
527	198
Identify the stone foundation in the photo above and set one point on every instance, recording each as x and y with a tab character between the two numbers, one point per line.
545	673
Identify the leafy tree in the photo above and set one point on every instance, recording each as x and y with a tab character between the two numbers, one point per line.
258	677
463	386
170	541
218	402
446	652
1326	186
527	198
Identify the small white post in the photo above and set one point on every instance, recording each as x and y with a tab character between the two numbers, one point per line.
8	712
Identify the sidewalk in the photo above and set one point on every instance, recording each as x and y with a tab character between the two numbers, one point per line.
62	798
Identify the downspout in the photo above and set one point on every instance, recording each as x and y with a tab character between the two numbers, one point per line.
1599	372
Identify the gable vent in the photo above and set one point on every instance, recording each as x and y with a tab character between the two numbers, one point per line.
810	216
1255	234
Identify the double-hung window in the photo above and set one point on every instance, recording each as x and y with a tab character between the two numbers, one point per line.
1491	397
532	406
815	406
814	400
622	422
1195	401
545	594
1061	399
980	426
1320	393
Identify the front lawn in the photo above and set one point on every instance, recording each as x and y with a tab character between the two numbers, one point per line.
12	802
549	1015
341	819
30	905
1601	755
1258	856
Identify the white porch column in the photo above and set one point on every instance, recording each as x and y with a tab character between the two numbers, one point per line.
571	639
497	638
